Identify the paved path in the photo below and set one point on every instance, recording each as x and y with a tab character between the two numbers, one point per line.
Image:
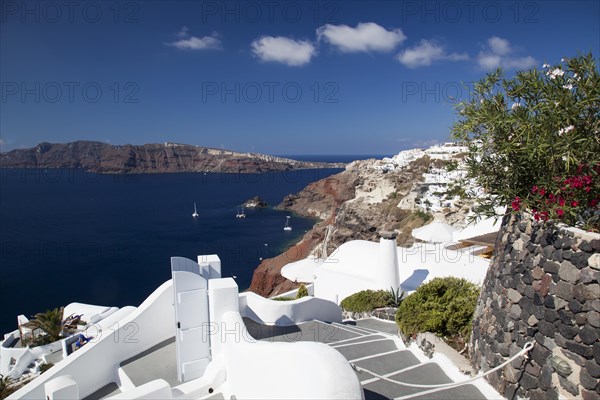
369	344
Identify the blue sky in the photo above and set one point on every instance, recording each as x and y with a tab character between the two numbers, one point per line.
302	77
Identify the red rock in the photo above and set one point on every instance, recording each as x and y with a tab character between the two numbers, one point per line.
545	285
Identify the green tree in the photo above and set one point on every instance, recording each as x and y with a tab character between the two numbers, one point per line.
534	141
50	322
302	291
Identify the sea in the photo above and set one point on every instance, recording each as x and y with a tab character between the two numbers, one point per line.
67	235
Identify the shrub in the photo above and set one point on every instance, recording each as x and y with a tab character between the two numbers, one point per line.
533	141
283	298
366	300
45	367
6	386
451	165
444	306
302	291
426	217
396	297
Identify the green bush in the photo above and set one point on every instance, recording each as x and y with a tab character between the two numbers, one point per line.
451	165
426	217
444	306
302	291
45	367
6	386
366	300
283	298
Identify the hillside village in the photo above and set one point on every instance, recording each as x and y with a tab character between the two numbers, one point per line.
397	194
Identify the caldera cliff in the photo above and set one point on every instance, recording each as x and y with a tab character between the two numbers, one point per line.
148	158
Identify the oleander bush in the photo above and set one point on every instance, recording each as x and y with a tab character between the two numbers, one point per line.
534	141
443	306
366	300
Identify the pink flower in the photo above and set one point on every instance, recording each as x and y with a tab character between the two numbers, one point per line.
560	212
534	189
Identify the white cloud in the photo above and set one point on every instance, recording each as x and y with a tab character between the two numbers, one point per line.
183	32
520	62
367	36
499	45
188	42
426	52
283	50
498	53
2	142
489	61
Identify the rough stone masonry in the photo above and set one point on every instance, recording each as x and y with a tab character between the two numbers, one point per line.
543	285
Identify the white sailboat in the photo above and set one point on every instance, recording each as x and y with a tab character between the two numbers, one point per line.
287	226
195	213
240	214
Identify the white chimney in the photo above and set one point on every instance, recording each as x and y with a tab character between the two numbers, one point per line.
388	275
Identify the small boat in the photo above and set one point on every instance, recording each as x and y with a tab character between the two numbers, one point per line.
195	213
287	226
240	214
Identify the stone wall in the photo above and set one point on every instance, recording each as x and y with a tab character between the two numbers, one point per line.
542	286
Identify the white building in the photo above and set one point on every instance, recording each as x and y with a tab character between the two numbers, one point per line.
360	265
188	340
446	151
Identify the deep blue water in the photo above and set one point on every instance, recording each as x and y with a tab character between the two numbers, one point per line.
68	235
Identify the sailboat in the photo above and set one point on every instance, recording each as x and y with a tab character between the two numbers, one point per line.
195	213
242	214
287	226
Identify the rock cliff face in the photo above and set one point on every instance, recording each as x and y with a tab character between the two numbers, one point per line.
354	204
148	158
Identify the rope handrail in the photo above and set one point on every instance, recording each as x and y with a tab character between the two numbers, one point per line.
528	346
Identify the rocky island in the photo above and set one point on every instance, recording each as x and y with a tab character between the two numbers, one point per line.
101	157
255	202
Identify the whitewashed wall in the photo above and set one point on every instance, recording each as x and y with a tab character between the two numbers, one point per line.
96	363
283	313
